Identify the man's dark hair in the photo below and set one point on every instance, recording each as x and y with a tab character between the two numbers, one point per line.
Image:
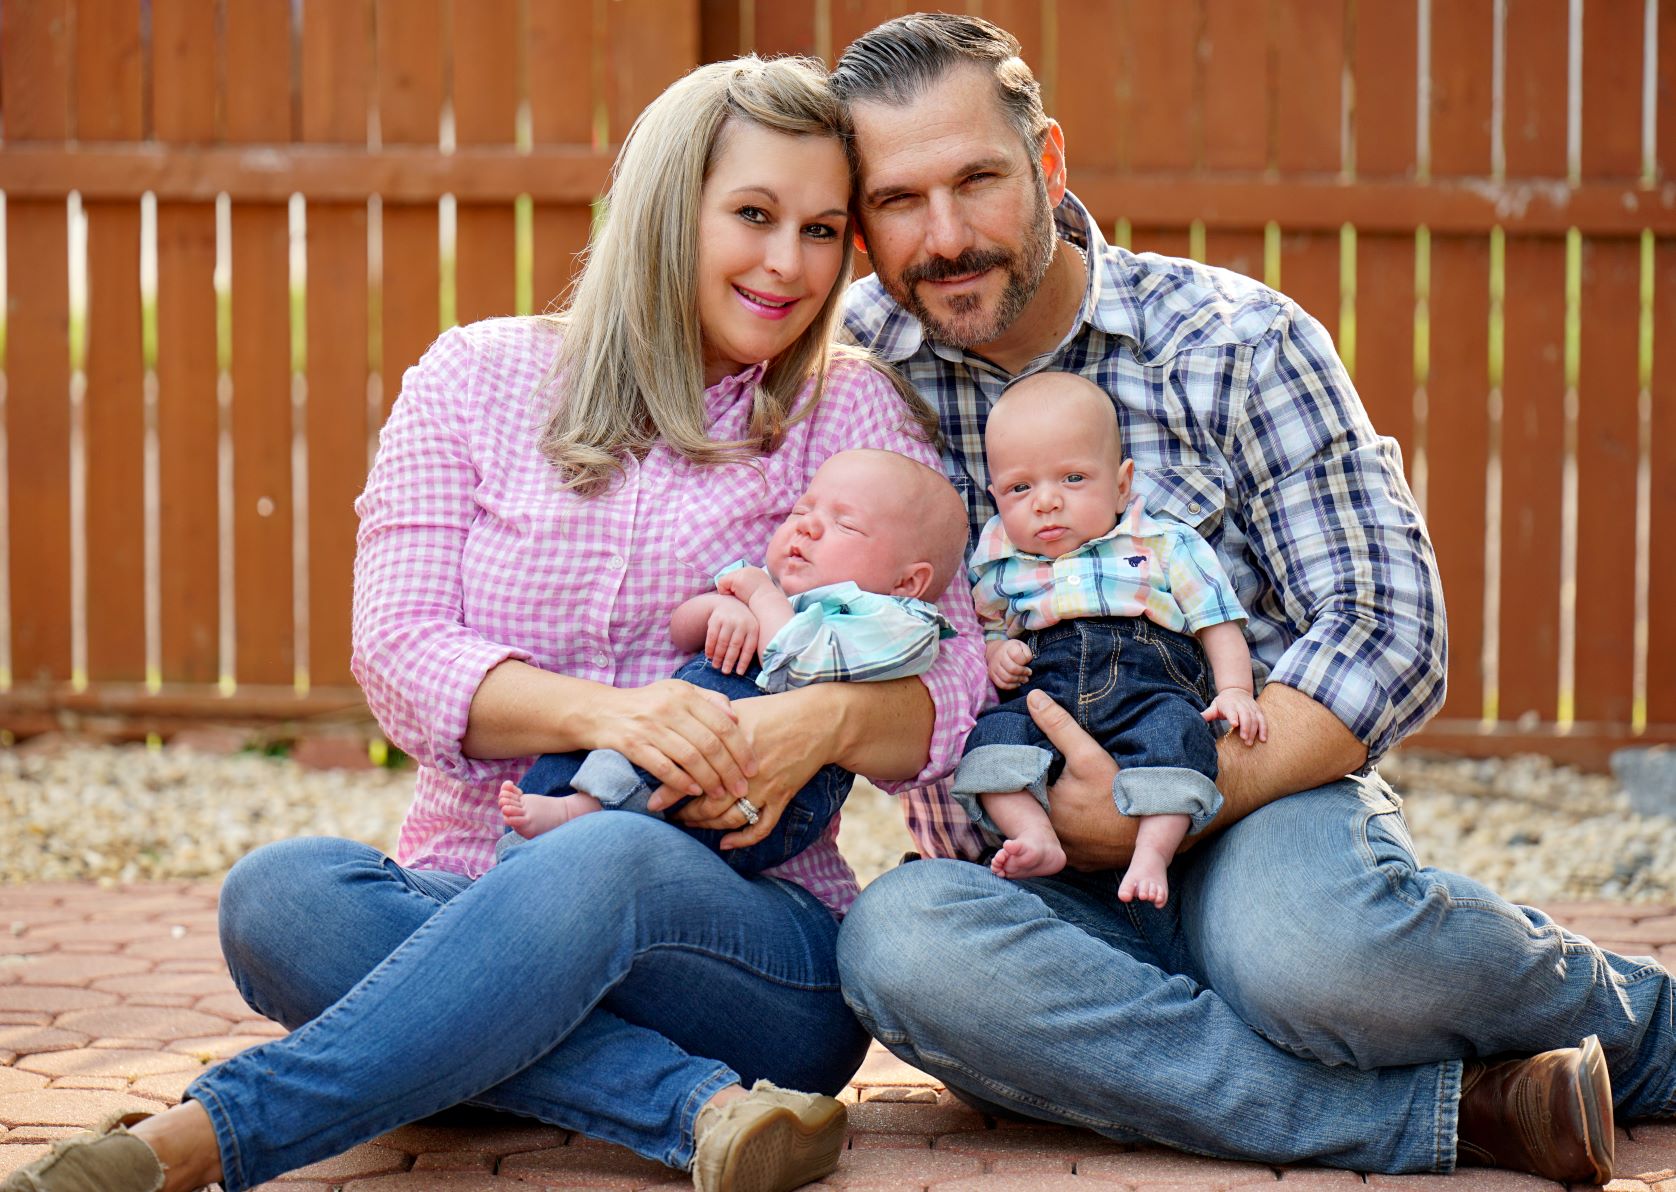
895	62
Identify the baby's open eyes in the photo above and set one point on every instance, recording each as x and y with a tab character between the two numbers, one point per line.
1074	478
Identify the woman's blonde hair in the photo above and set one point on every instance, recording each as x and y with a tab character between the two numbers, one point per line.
631	363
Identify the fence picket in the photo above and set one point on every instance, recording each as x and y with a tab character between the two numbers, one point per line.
109	107
410	89
184	72
36	101
1661	596
1457	386
336	93
1307	99
486	42
1533	384
259	109
1164	109
1608	430
562	45
1384	57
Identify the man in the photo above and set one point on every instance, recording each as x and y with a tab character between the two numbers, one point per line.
1313	993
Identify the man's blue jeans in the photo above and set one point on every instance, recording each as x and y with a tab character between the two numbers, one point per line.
608	979
621	786
1306	995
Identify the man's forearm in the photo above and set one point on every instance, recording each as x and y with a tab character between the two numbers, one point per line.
1307	747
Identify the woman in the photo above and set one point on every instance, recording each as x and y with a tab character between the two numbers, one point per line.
516	568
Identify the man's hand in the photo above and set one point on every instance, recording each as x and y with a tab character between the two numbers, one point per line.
1009	662
1094	834
730	640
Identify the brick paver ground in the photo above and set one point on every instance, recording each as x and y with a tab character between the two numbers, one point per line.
114	999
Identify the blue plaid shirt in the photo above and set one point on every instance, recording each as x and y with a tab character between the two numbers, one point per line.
1244	425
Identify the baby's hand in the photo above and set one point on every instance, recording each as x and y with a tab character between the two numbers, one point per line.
743	582
730	640
1239	709
1009	663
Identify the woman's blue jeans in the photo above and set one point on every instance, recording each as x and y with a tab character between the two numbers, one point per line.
608	978
1307	994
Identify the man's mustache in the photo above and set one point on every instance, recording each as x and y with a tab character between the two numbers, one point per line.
969	262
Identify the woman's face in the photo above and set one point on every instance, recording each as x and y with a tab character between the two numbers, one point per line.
771	229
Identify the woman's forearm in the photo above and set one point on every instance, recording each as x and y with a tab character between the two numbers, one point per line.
882	730
520	710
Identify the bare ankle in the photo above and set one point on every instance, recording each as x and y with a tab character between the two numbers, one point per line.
184	1141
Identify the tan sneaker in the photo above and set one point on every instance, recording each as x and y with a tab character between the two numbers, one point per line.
770	1140
109	1159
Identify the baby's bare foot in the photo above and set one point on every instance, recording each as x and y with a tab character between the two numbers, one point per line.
1147	879
1028	856
531	815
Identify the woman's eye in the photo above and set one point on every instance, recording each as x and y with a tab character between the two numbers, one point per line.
820	231
754	215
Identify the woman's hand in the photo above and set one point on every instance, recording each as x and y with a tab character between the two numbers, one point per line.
786	732
687	738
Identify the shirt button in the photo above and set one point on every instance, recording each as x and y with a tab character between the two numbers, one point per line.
614	562
1073	580
601	659
1193	507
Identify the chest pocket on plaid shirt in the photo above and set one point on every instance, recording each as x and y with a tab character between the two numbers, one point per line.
1192	496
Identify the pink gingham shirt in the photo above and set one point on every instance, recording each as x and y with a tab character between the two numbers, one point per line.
469	555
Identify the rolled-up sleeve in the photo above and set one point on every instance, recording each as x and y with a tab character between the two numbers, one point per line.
413	654
1335	528
862	409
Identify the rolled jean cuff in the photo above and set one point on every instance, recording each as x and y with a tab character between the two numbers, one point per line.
610	777
1446	1138
999	769
1167	790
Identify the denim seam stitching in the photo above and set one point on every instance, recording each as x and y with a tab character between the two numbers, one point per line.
1084	696
217	1109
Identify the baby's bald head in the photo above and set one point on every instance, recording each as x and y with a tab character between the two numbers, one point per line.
1056	398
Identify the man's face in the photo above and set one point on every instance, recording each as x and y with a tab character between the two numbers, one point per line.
957	214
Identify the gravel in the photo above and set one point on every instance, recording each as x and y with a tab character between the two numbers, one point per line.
1539	833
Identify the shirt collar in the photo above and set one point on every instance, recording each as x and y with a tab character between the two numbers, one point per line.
994	545
721	396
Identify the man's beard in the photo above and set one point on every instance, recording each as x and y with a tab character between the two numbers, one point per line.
967	325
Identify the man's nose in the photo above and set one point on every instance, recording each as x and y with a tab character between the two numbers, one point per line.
947	234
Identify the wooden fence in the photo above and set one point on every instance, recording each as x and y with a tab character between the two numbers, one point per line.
230	224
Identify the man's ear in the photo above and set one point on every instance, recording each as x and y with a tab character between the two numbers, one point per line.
915	581
860	240
1053	162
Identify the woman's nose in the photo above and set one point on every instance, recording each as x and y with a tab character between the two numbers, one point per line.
784	257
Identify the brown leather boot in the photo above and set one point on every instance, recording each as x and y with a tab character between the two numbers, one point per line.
1550	1114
